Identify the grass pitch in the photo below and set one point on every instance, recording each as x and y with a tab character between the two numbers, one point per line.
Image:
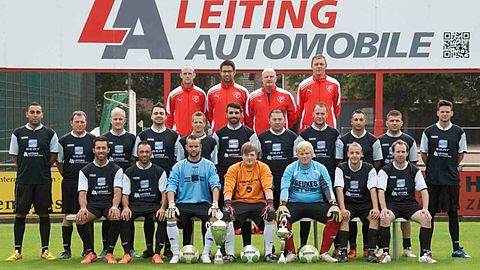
441	247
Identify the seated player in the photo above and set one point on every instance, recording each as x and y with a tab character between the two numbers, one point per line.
304	185
191	186
355	183
99	195
144	195
248	195
397	183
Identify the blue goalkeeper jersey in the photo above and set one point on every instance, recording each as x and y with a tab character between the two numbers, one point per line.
193	182
305	184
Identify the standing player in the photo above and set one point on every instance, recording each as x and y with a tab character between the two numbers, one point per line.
318	88
100	194
355	183
220	95
248	195
164	143
323	139
34	149
184	101
189	189
305	186
144	195
397	183
74	152
372	153
121	143
270	97
442	148
394	124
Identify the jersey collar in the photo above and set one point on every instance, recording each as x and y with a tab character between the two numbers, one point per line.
232	128
100	166
272	89
185	88
321	79
350	167
353	134
319	129
278	133
226	86
389	134
76	136
158	131
444	129
30	128
118	134
142	168
398	168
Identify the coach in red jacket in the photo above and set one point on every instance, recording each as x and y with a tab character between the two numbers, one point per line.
318	88
270	97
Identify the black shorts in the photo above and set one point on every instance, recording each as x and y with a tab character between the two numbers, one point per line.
403	209
190	210
317	211
360	210
70	196
443	198
146	211
40	195
252	211
99	209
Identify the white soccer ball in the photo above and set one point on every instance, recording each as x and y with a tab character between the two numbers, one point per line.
308	254
189	254
250	254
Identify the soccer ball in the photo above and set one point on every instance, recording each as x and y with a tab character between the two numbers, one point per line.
189	254
250	254
308	254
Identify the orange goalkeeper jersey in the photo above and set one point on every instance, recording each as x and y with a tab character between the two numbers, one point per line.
248	184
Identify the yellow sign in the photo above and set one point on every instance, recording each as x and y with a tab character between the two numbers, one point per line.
7	194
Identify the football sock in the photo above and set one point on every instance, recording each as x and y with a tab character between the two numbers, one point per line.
149	230
113	233
365	225
353	234
454	228
187	232
268	237
105	229
18	231
132	234
304	231
160	236
372	239
329	234
425	238
126	235
247	233
67	237
45	232
208	242
173	235
384	238
343	239
84	232
230	239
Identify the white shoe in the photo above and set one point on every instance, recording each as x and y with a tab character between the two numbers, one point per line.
379	252
385	258
206	258
327	258
175	259
290	257
426	258
408	252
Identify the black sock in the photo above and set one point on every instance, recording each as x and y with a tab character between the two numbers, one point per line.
86	236
45	232
67	237
372	239
365	225
343	239
132	234
454	228
304	231
187	232
149	230
425	239
353	234
18	231
160	236
113	233
384	238
247	233
126	236
406	243
105	229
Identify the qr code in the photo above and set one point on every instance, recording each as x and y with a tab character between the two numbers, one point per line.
456	45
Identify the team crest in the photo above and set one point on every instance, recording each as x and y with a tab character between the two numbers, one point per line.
196	99
281	99
329	88
236	95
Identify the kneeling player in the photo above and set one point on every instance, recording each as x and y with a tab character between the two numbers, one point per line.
304	184
248	193
144	196
355	183
188	191
397	183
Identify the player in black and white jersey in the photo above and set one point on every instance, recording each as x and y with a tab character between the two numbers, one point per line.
74	152
397	183
121	141
100	194
230	139
144	195
442	148
323	139
34	149
394	124
355	183
164	142
372	153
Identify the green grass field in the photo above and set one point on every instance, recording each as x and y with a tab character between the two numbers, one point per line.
441	250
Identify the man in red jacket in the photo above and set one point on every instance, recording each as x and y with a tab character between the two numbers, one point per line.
318	88
183	102
270	97
227	91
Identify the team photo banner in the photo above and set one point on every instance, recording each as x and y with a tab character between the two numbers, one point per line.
284	34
